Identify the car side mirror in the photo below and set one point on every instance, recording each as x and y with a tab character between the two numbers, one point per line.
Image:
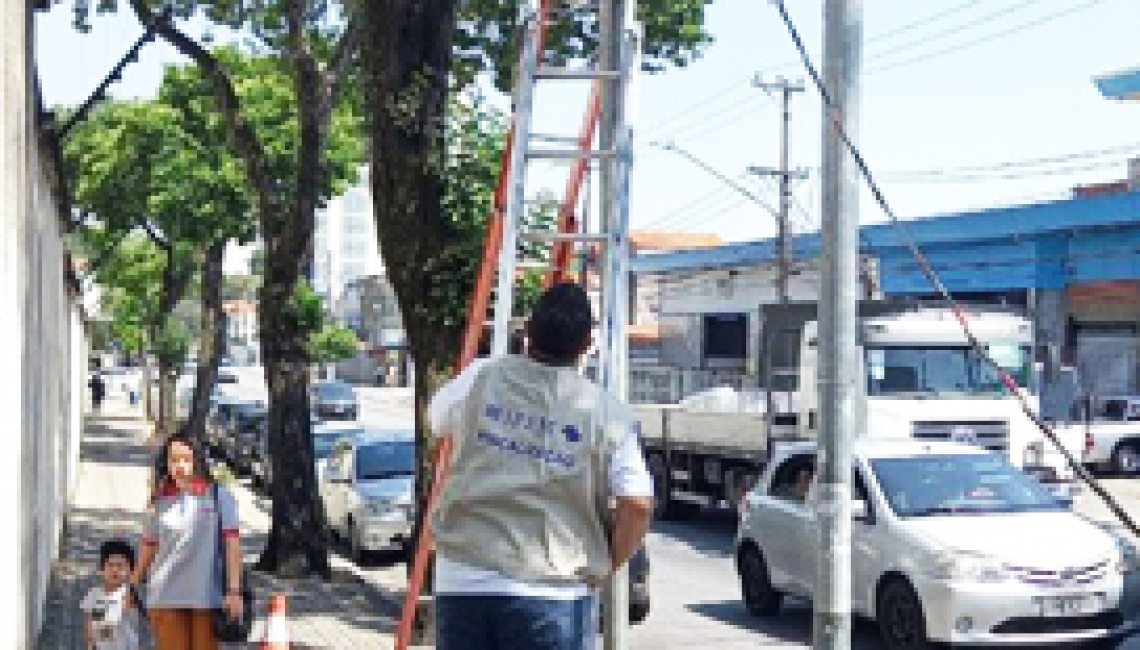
860	511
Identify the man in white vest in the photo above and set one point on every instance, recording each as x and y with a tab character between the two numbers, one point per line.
548	494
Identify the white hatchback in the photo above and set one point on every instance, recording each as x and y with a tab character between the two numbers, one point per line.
949	543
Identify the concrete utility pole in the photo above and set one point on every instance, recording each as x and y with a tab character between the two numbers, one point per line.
786	174
838	304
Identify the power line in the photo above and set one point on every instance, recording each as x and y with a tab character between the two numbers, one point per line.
939	287
1035	173
702	105
1017	164
957	29
935	17
719	189
986	39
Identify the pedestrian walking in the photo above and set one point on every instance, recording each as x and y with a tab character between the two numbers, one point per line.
189	575
525	531
110	609
98	390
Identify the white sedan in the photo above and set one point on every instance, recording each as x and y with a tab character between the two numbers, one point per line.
368	487
949	544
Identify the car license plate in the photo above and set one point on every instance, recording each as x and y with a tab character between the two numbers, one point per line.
1068	605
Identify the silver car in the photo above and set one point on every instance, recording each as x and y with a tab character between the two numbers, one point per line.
367	489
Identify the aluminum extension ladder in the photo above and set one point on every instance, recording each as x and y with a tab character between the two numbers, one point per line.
618	57
617	60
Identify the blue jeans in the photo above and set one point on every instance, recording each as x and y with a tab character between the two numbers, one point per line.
478	622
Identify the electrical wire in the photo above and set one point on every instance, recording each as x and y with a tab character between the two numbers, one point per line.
988	38
932	18
701	106
1036	173
717	190
935	280
957	29
1019	164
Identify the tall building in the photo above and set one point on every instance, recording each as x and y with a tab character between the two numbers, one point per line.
345	247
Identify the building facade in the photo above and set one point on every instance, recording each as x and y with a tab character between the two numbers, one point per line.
43	326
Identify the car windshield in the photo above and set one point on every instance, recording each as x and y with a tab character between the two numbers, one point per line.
323	441
958	484
943	371
335	391
378	460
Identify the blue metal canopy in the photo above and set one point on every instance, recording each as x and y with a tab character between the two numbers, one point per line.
1044	246
1121	85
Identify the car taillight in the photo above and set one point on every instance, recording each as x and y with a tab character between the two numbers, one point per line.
1090	443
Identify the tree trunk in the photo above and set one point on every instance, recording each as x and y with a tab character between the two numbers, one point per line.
212	340
167	378
406	51
298	537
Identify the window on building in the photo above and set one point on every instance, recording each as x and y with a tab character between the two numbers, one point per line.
356	202
355	248
353	270
355	226
726	336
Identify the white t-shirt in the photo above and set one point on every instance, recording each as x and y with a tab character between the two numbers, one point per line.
628	478
116	625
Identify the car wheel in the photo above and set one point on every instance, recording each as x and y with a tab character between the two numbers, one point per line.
1126	458
760	597
355	551
902	623
638	611
665	507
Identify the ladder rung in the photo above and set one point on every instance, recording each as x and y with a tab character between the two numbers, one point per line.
570	153
573	73
538	235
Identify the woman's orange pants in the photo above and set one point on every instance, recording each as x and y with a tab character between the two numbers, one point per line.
183	629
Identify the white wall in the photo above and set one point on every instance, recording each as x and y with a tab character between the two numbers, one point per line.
43	346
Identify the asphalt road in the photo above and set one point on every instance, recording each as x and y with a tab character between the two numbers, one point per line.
695	591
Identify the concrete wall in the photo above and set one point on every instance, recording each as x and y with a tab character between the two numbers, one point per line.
42	354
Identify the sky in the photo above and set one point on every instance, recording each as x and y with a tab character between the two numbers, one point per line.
964	105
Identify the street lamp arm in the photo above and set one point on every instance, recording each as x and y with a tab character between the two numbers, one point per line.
669	146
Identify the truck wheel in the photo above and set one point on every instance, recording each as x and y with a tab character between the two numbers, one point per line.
760	597
664	506
899	614
1126	458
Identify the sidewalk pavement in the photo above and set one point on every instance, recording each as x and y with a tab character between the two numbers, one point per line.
110	500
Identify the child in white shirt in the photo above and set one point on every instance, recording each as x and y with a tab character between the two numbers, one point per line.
111	613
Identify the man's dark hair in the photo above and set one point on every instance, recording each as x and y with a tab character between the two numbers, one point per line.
559	327
119	547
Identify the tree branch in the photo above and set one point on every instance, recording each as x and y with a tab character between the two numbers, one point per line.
309	85
155	235
342	58
248	145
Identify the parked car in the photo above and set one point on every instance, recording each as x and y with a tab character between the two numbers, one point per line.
325	436
242	431
950	543
218	421
334	400
368	490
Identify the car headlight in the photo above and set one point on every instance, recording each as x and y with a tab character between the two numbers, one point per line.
381	509
965	566
1128	560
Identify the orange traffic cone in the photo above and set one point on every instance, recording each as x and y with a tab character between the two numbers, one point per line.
277	634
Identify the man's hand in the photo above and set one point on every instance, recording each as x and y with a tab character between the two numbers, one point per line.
233	605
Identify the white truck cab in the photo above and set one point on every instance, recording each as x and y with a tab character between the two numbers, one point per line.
920	375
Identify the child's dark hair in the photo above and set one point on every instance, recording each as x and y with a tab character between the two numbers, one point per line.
119	547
